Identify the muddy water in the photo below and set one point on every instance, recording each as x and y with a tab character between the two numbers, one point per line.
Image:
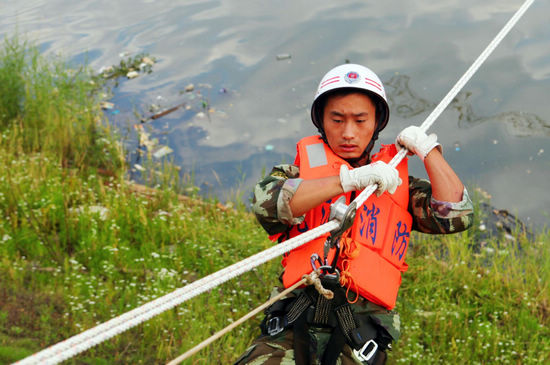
255	67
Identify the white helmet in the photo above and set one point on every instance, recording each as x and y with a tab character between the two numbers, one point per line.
355	77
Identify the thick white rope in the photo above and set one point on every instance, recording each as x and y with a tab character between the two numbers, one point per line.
74	345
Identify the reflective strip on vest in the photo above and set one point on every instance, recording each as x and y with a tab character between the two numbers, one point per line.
316	155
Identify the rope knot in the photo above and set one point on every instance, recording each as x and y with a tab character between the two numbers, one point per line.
313	279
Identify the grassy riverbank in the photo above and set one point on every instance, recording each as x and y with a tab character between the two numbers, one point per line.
80	245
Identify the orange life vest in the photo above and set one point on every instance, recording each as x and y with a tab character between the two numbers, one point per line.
379	235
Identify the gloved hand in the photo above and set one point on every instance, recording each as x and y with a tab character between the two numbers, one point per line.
417	141
385	176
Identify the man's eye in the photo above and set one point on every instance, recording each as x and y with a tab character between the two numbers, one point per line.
337	120
361	120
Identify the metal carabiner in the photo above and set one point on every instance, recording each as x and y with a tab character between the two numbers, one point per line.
314	259
327	272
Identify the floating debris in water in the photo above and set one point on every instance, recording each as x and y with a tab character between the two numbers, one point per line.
139	167
283	56
132	74
162	113
269	147
144	140
222	90
541	151
163	151
495	141
105	70
148	61
189	88
128	67
457	146
106	105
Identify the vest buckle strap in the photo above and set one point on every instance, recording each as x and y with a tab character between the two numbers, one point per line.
367	352
276	325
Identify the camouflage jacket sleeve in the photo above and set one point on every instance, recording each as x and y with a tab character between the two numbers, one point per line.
272	196
438	217
273	193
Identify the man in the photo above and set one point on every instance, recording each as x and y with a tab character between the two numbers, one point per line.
364	265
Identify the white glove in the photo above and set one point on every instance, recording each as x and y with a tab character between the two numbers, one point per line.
380	173
417	141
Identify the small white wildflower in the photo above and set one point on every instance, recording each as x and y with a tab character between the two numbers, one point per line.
102	211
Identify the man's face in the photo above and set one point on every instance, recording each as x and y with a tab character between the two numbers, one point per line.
349	123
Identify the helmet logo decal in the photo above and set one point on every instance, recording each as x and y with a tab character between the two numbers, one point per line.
352	77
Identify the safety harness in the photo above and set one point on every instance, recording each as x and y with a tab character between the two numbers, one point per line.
368	340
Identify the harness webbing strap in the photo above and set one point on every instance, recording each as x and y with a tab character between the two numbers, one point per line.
344	314
298	307
323	307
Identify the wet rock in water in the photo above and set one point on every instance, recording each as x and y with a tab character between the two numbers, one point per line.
499	224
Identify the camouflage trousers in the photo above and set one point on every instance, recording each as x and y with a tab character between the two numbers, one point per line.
279	349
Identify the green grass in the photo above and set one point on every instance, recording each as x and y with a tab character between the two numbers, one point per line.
79	246
491	306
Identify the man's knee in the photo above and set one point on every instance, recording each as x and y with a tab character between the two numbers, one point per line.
267	350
